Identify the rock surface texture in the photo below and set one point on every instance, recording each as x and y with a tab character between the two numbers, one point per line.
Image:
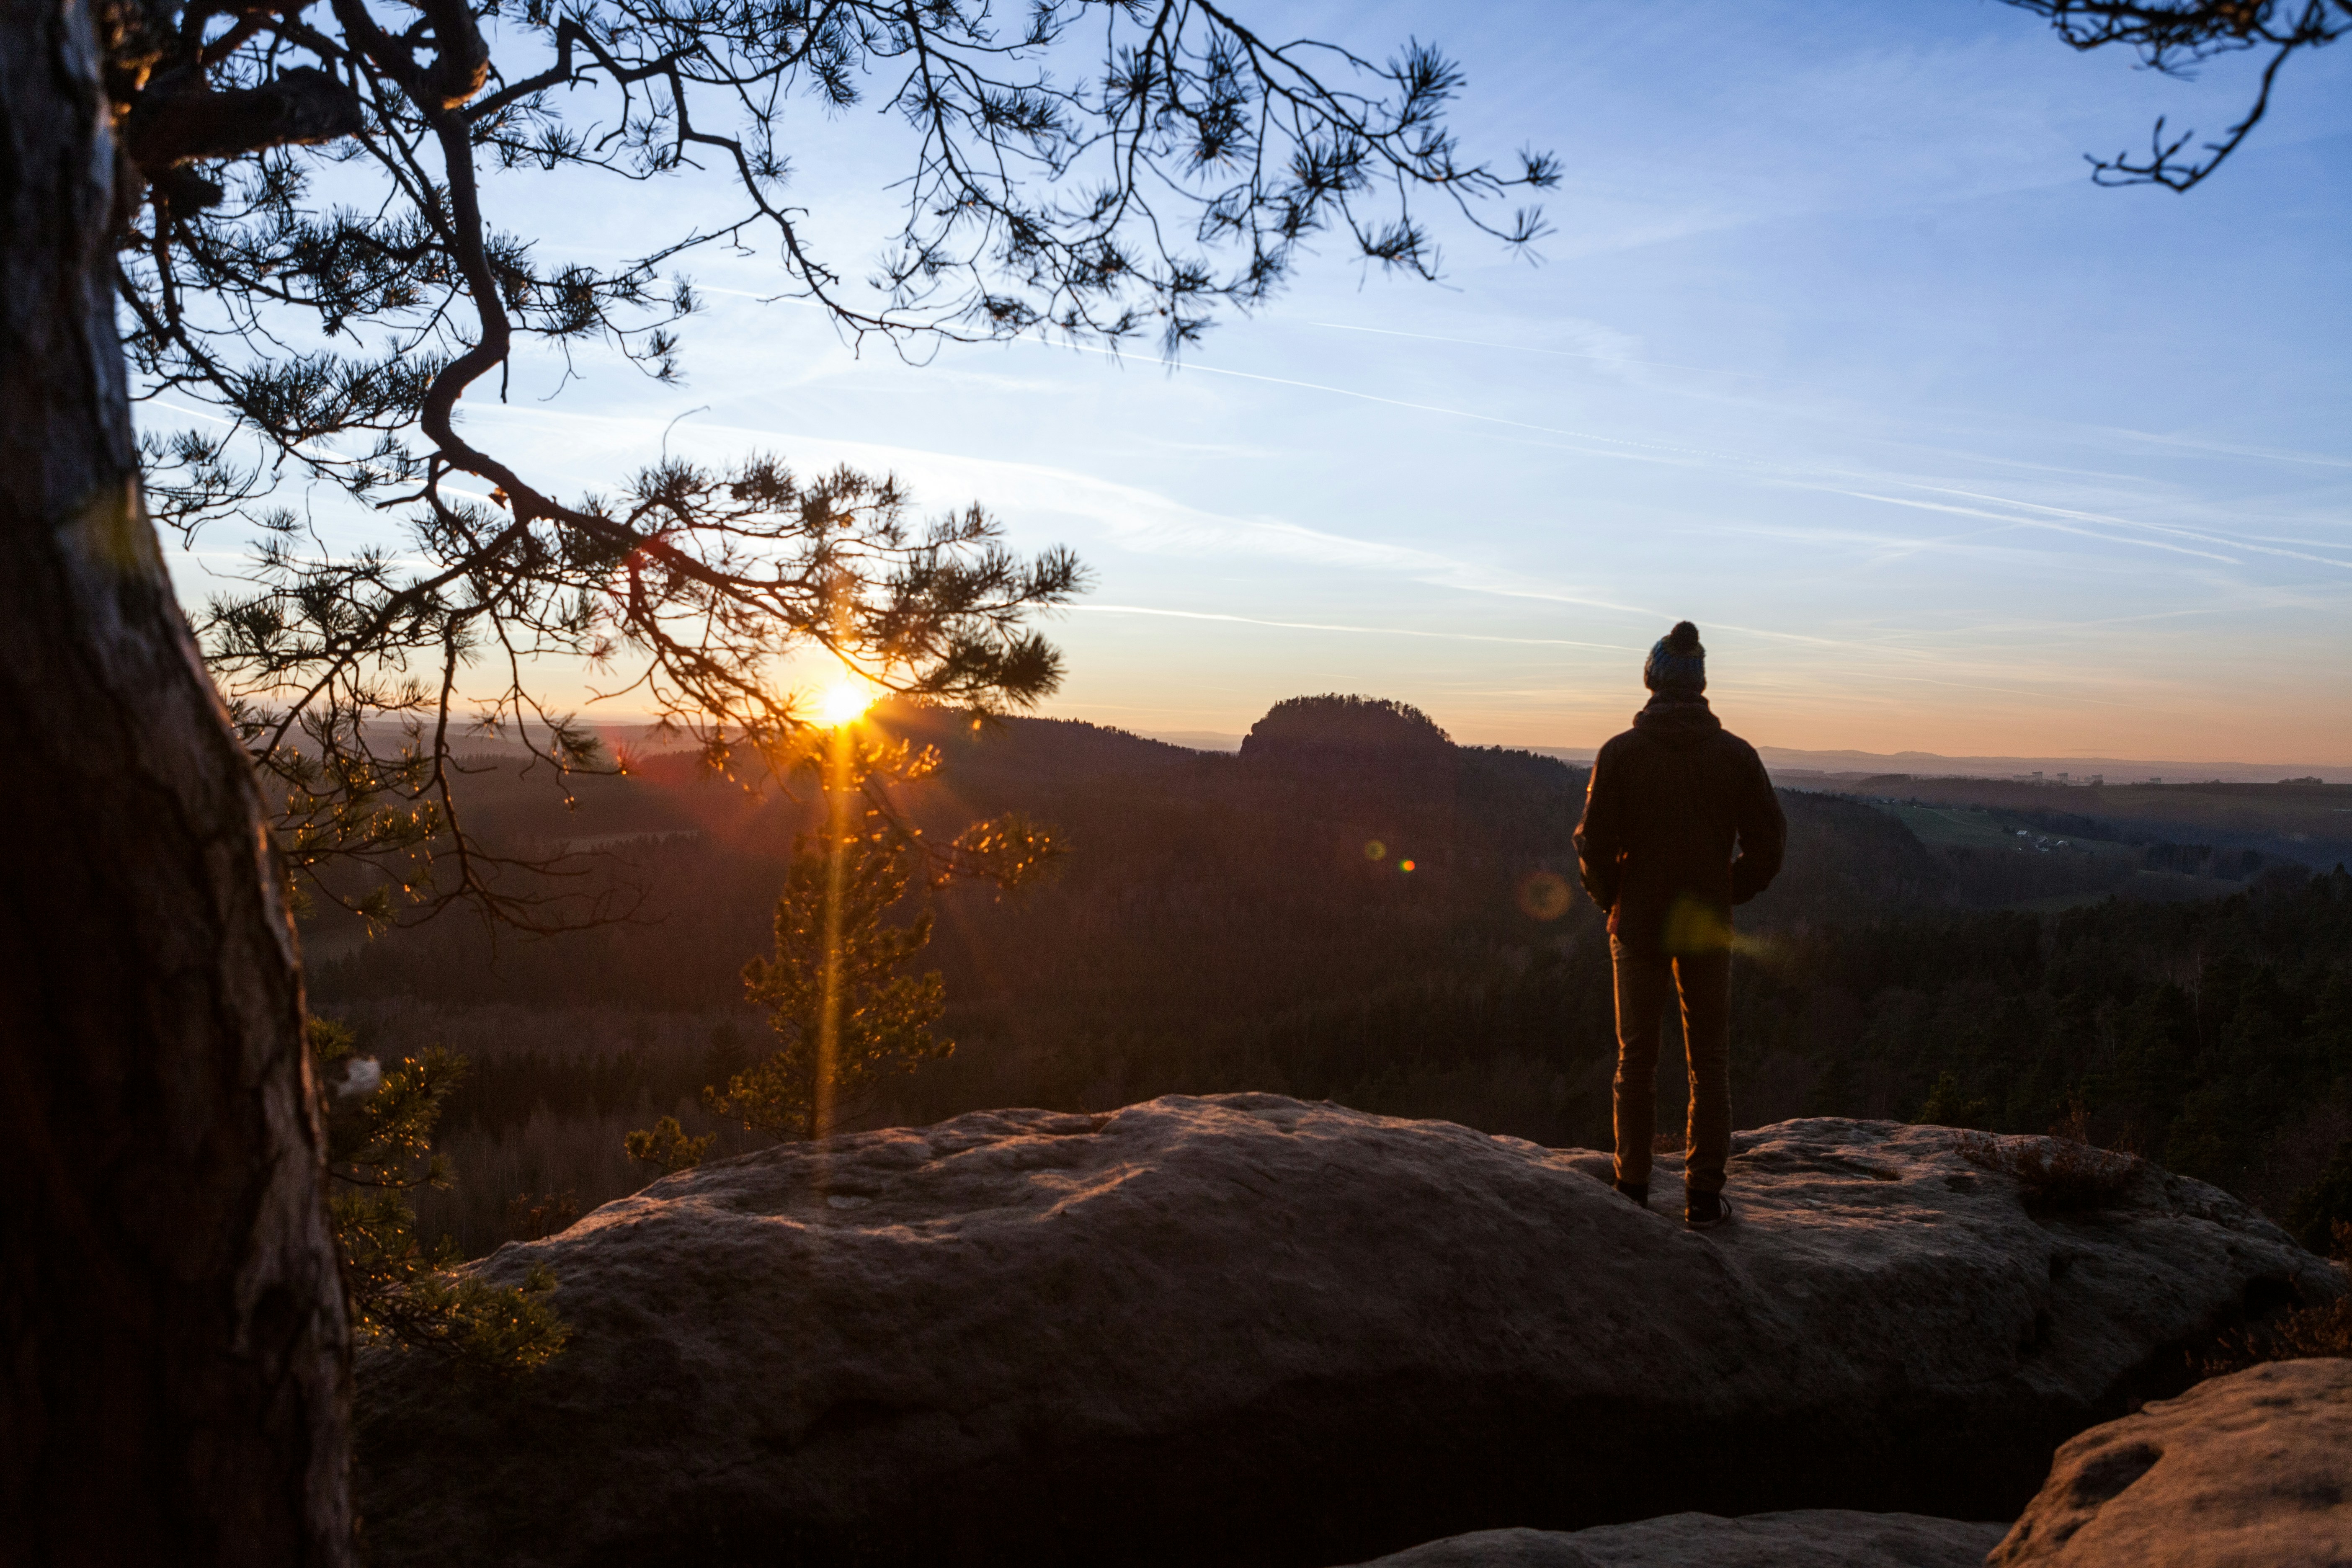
2252	1471
1243	1330
1810	1538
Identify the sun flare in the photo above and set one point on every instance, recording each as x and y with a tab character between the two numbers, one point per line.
845	703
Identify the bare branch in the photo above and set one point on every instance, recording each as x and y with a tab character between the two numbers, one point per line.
2177	37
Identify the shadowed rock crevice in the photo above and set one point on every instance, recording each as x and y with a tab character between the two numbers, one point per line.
2106	1475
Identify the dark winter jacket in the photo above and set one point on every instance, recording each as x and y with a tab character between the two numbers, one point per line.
1668	801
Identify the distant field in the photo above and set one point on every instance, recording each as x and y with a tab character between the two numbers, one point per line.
2105	868
2309	823
1963	827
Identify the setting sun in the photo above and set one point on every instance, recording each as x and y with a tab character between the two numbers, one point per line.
845	703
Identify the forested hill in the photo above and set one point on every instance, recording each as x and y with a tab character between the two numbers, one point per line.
1202	891
1250	921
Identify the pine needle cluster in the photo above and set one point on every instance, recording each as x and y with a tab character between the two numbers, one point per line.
380	1124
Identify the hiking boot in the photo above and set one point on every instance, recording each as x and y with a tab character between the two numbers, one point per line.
1705	1211
1637	1191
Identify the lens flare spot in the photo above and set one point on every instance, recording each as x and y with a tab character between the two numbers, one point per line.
1543	895
845	703
1375	849
1694	926
1404	865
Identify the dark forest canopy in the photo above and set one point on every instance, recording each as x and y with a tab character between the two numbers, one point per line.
1223	922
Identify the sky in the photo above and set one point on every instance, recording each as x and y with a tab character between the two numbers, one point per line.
1834	350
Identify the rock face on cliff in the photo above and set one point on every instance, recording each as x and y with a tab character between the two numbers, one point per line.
1810	1538
1243	1330
2252	1471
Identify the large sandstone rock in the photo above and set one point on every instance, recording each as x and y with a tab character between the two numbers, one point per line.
1243	1330
1811	1538
2254	1470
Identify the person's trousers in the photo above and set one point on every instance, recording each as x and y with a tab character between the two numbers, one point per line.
1644	980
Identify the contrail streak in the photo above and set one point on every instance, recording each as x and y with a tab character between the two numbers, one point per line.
2224	541
2016	521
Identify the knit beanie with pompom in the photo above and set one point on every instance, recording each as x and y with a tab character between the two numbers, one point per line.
1677	663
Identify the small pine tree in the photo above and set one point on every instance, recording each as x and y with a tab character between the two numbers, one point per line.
1949	1105
380	1144
845	1017
667	1144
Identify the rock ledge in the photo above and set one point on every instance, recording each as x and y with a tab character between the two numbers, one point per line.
1247	1329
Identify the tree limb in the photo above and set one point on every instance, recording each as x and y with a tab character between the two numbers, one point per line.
185	119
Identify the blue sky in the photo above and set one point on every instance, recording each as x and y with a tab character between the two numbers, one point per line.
1836	349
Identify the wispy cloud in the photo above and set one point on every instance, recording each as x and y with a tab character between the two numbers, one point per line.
1366	631
1130	516
1614	355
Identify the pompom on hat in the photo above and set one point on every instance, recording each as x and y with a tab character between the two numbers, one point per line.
1677	663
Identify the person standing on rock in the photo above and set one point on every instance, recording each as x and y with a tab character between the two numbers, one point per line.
1670	802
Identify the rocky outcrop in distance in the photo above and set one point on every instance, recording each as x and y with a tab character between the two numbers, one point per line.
1243	1330
1811	1538
2252	1471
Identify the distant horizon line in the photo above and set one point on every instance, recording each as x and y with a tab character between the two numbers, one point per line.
1795	759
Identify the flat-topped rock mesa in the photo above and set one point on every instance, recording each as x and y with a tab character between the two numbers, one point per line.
1243	1330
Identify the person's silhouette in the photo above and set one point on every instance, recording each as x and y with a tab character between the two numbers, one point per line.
1670	800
